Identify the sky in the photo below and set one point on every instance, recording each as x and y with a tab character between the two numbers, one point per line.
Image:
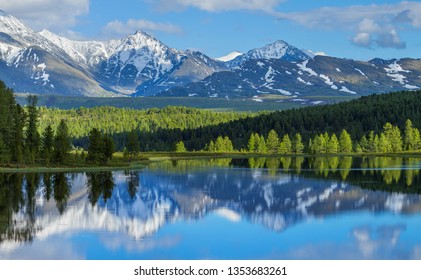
359	30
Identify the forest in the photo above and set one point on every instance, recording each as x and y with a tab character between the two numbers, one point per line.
386	123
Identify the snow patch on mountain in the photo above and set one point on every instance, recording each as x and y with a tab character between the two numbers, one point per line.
229	56
303	67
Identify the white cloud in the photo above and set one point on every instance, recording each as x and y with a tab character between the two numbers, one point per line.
218	5
371	25
117	27
55	15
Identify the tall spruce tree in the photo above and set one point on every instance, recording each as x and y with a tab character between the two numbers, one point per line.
62	143
32	135
47	143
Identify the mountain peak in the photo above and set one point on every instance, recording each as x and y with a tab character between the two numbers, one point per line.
276	50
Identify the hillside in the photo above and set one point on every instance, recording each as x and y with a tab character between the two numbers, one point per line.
358	117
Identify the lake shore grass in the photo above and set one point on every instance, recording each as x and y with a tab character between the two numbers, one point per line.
77	163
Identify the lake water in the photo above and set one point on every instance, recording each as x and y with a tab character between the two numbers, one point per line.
257	208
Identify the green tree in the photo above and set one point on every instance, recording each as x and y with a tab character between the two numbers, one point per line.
345	142
412	138
251	143
133	143
298	146
180	148
285	147
384	144
32	135
47	143
95	146
17	140
108	147
261	145
272	142
393	135
333	145
62	143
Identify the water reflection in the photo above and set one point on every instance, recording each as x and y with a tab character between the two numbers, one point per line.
258	202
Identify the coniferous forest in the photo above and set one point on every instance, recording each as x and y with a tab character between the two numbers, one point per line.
386	123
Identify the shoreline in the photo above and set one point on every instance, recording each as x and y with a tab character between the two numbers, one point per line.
151	157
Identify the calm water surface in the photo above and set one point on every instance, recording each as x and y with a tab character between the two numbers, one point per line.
258	208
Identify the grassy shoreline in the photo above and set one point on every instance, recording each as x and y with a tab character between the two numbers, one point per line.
119	163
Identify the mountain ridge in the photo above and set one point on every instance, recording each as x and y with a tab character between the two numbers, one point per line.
141	65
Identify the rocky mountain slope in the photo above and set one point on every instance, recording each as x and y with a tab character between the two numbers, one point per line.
141	65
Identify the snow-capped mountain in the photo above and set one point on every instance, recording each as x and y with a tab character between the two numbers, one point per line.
278	50
141	65
92	68
321	75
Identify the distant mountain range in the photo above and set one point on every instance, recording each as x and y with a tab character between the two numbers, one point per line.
141	65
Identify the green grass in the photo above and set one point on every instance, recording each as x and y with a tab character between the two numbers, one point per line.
76	163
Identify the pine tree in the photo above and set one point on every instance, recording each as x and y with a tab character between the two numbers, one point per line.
32	135
285	146
17	138
345	142
384	144
409	136
180	148
62	144
298	146
272	142
393	135
251	144
133	143
47	143
108	148
95	146
333	145
261	145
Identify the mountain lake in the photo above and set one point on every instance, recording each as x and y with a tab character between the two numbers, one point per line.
252	208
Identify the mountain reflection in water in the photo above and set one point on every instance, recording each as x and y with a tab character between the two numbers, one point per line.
253	208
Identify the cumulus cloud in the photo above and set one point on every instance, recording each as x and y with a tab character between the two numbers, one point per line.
218	5
371	25
57	15
117	27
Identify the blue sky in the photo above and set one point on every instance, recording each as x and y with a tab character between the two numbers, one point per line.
352	29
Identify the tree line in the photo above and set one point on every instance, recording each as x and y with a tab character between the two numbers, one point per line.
359	118
20	140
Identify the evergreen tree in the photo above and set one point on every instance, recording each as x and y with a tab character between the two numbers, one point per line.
32	135
373	142
251	144
133	143
211	146
333	145
272	142
412	137
62	143
318	145
285	146
298	146
47	142
108	147
95	146
17	140
384	144
345	142
7	122
261	145
393	136
180	148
